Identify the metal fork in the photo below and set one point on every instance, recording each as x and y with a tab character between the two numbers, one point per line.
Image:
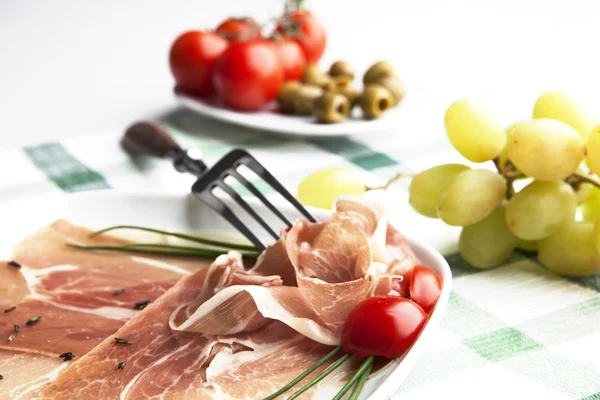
150	139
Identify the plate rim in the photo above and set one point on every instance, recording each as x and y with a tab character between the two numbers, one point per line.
249	120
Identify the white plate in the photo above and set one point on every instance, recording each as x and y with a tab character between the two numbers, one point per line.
100	209
272	121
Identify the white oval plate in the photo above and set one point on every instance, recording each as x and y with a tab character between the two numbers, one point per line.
99	209
272	121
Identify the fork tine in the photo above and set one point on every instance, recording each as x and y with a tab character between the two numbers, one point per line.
261	171
238	199
258	194
217	205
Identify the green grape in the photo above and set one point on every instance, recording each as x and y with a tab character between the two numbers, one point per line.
488	242
590	208
597	234
320	189
593	150
572	250
582	192
471	196
426	187
503	156
502	159
563	107
476	135
540	209
545	149
527	245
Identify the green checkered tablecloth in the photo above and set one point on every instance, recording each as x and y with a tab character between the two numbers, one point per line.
515	331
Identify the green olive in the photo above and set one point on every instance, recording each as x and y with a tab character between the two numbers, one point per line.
375	100
286	95
393	84
350	92
304	98
331	108
341	68
343	85
335	84
378	71
313	75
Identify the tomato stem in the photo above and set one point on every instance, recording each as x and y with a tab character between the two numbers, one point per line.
362	370
360	384
305	373
321	376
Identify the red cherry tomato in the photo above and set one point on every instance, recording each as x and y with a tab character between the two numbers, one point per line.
238	29
192	59
425	287
292	58
248	75
308	31
383	326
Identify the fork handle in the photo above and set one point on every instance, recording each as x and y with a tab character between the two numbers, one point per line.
150	139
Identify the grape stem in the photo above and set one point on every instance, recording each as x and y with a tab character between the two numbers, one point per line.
510	189
496	162
510	173
580	178
393	179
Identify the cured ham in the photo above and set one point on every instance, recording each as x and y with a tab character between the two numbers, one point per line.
74	294
334	267
25	374
168	364
221	332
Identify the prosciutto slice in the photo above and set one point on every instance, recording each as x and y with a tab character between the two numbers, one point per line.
25	374
73	292
334	266
167	364
222	332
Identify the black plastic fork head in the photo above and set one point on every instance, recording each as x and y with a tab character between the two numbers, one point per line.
226	167
151	139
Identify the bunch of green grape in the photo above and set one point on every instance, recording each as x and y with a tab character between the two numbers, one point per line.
554	158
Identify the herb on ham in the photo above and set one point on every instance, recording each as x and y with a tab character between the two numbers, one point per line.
1	377
321	376
14	335
216	248
34	320
119	291
191	238
68	356
122	341
10	309
140	305
305	374
14	264
122	365
364	370
160	249
360	384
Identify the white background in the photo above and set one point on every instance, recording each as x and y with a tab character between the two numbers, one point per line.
79	67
